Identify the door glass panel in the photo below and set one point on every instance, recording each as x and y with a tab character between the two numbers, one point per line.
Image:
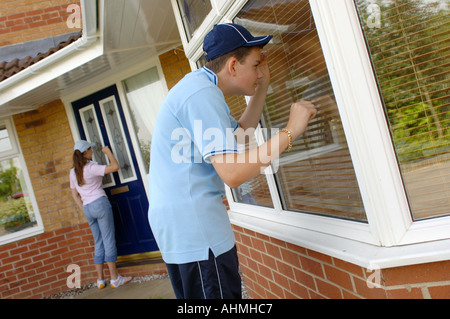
119	145
92	131
317	176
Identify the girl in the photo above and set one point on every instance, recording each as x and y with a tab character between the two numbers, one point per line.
86	185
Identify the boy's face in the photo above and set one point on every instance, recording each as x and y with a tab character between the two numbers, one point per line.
248	73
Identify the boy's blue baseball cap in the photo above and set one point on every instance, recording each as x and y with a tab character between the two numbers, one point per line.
224	38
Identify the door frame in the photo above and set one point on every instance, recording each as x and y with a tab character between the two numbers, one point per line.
115	78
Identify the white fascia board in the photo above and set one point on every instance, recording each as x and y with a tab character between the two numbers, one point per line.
57	64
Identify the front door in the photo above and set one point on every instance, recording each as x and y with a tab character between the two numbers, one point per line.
100	120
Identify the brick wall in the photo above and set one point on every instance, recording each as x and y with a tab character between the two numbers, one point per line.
277	269
37	267
174	65
47	146
26	20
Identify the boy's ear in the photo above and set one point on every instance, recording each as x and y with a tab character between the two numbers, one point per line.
231	66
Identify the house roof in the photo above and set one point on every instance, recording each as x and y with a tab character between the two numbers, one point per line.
117	36
8	69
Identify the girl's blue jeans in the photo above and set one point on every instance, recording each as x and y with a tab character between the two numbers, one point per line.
101	221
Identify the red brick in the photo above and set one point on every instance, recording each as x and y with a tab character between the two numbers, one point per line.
281	280
273	250
352	268
304	278
364	291
16	16
298	290
265	271
328	290
34	12
319	256
285	269
422	273
275	290
256	255
269	261
339	277
439	292
246	240
278	242
405	293
258	244
290	257
311	266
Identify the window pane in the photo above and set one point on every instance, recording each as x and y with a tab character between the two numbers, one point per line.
409	46
255	191
145	93
193	12
5	143
317	176
16	210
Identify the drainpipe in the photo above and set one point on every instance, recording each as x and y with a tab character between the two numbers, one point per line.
90	35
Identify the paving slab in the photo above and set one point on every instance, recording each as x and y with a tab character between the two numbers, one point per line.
151	289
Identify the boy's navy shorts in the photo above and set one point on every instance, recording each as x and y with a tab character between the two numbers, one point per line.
215	278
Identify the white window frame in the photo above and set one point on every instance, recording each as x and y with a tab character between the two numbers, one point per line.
389	217
17	152
219	7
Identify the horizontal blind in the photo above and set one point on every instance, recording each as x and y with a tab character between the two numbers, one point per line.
255	191
409	45
317	176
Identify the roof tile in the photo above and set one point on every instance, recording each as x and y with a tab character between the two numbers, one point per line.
8	69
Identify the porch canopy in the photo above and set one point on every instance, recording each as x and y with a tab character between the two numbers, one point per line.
116	34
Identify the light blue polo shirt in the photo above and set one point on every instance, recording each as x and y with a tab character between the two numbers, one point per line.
186	212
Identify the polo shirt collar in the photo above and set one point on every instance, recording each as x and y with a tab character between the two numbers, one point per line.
211	75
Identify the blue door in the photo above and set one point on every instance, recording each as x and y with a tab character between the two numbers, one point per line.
100	120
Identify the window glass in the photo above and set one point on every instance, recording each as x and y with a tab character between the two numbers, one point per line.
409	46
145	93
5	142
116	135
16	209
317	176
193	12
255	191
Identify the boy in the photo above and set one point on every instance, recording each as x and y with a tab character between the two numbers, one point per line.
193	153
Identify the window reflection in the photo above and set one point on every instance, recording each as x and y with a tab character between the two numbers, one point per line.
317	176
193	13
16	210
145	93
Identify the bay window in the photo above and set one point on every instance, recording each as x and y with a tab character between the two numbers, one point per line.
372	169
